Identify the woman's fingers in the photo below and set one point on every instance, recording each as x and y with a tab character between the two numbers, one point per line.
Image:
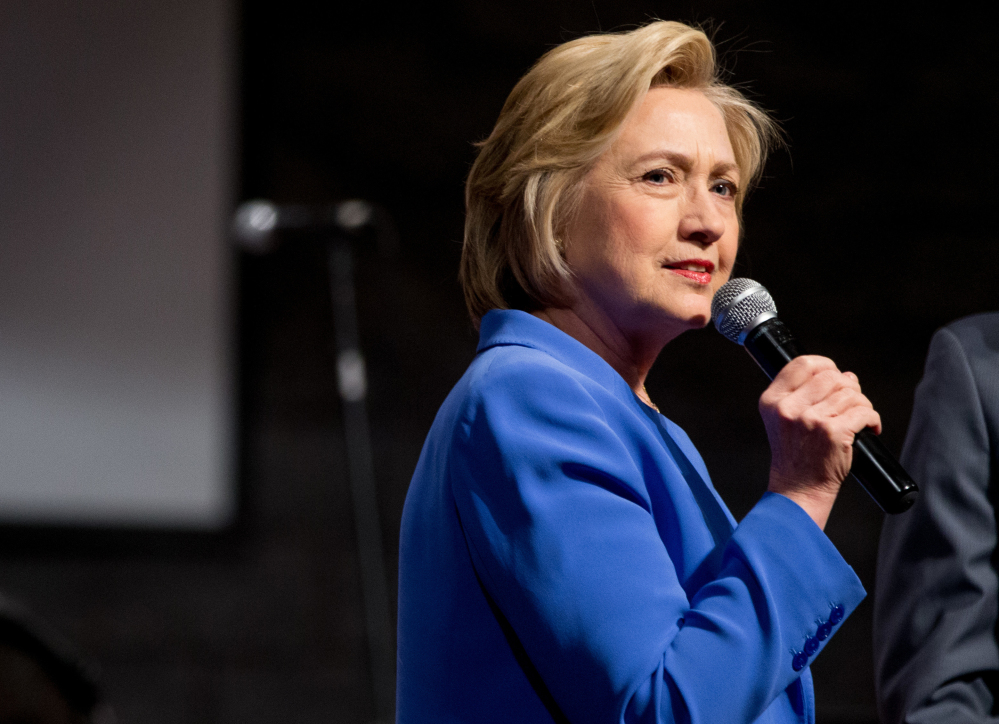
812	412
844	405
811	389
839	401
800	371
859	417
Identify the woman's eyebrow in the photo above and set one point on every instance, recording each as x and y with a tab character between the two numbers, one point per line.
684	162
724	168
680	160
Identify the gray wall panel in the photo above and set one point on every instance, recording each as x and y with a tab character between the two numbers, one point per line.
116	125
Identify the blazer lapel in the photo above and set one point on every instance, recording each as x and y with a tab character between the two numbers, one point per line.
715	516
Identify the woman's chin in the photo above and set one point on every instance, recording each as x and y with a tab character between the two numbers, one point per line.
698	321
667	324
693	315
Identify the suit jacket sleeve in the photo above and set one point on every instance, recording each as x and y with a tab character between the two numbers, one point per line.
936	595
553	504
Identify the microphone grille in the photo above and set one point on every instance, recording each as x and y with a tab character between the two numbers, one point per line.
738	306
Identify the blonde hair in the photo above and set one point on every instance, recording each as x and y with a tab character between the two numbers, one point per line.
555	124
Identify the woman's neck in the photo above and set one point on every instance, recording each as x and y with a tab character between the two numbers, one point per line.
630	358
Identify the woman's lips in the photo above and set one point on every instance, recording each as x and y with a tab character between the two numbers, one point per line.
698	270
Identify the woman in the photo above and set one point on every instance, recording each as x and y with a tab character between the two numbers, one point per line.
563	554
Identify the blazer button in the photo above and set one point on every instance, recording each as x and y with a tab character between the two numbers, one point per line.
825	629
811	645
836	615
799	661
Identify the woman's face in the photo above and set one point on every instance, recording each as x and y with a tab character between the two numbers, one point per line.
656	232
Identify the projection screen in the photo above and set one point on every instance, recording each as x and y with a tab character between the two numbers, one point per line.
116	385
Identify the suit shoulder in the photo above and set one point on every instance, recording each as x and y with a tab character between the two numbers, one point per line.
508	368
978	334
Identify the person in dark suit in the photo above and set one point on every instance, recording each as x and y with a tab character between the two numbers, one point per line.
563	554
937	591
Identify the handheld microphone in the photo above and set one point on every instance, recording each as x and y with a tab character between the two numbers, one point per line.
745	313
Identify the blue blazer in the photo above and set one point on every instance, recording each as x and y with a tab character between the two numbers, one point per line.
564	557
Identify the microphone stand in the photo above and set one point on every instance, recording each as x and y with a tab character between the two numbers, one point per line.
352	384
256	225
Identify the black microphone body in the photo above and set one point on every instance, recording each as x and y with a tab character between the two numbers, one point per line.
772	345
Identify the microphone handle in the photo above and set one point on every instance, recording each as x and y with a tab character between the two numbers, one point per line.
772	345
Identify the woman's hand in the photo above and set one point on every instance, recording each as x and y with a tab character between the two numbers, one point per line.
811	412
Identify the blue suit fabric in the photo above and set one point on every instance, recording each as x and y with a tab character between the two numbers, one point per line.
564	557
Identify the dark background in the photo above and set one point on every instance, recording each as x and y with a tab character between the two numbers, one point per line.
871	231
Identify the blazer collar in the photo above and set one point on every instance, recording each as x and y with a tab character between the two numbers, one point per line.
514	327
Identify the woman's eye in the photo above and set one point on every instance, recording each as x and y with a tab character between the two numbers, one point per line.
724	188
659	176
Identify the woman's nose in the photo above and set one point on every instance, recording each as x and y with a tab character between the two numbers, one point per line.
702	222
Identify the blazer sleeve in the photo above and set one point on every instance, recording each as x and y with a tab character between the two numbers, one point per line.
553	506
936	594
